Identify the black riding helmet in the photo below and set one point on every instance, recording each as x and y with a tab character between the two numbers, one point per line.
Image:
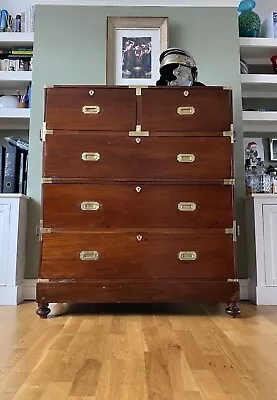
173	58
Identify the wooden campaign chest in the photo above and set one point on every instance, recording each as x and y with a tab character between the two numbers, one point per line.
137	196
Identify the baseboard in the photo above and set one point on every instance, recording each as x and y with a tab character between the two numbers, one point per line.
30	289
11	295
263	295
244	289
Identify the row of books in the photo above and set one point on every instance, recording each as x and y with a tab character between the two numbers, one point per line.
16	59
14	165
23	64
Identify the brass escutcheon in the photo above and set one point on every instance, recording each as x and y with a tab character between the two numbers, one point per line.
90	156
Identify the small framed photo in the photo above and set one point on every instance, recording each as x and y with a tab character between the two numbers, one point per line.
273	149
134	45
253	150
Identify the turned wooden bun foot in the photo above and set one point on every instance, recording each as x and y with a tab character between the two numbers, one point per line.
233	309
43	310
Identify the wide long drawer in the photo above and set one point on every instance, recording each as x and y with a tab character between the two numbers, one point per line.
90	107
125	205
139	255
183	158
202	109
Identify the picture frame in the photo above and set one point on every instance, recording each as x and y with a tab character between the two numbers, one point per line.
134	45
273	149
253	149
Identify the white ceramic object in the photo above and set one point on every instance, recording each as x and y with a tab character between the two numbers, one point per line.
8	102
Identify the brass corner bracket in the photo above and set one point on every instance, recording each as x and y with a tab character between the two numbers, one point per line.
138	132
234	231
230	133
230	182
45	132
46	180
138	89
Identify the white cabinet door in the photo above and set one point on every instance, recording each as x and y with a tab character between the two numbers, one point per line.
4	241
270	244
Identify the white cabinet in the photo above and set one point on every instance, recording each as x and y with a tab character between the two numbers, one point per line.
261	217
13	221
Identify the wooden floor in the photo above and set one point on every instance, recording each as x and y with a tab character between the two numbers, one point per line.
156	353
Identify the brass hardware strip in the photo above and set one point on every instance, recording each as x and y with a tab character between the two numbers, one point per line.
186	158
45	132
138	89
91	255
230	182
227	88
230	133
185	110
48	86
42	230
41	280
232	231
232	280
138	132
187	256
46	180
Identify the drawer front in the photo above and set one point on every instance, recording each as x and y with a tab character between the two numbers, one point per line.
199	109
88	107
183	158
125	205
140	255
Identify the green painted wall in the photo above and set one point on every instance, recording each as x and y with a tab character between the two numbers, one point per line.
70	48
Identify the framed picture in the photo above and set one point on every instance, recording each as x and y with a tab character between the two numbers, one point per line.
273	149
253	150
134	45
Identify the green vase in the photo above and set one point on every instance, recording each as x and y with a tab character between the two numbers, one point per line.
249	24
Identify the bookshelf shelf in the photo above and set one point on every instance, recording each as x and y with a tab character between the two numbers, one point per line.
260	121
14	79
16	39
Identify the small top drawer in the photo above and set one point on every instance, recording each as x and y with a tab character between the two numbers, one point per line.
196	109
90	108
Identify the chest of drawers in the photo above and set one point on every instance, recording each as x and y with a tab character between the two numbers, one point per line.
137	196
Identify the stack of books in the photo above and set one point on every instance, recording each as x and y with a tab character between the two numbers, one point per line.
14	165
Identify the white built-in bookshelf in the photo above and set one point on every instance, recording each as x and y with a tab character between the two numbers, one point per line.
11	81
257	52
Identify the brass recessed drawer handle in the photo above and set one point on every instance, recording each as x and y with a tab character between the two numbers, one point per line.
187	256
186	206
90	206
91	110
186	158
185	110
90	156
91	255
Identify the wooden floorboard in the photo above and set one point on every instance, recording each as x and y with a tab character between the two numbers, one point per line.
138	352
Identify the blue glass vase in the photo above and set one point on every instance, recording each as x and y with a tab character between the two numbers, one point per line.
249	21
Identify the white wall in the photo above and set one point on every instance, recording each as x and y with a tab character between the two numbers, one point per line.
264	7
16	6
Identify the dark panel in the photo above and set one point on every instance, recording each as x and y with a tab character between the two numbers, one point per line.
64	108
137	292
140	255
126	205
211	109
151	158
